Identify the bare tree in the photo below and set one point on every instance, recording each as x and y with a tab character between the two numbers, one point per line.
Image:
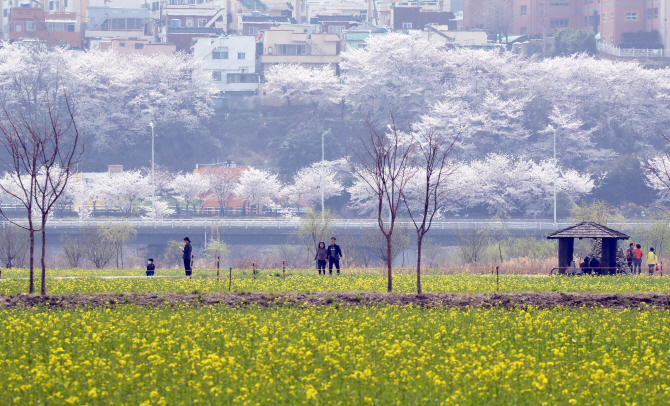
430	193
98	250
74	250
20	167
312	230
14	244
375	243
383	166
61	149
497	17
117	235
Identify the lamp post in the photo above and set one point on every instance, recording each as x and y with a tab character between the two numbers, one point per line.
321	172
153	175
555	172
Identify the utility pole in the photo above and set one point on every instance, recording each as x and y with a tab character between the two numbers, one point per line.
153	174
323	149
544	28
555	175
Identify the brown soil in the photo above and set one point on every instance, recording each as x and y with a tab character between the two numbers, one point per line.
503	300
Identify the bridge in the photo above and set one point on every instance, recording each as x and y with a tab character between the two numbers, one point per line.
274	231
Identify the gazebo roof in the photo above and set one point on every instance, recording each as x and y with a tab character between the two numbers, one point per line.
588	229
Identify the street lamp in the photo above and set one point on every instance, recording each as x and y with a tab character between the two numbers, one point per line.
555	170
321	172
153	175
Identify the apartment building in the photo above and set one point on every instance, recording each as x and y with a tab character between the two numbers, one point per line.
610	19
292	46
232	62
112	22
255	23
414	18
55	28
182	24
134	47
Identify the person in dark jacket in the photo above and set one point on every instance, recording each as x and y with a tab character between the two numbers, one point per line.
321	257
334	255
187	256
150	267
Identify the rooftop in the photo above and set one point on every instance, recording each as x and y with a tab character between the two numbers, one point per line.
588	229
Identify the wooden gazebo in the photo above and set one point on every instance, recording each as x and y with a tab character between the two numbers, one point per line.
587	229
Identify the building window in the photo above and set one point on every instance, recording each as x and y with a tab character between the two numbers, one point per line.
558	23
336	29
122	24
4	12
361	46
155	6
253	30
631	16
60	27
406	26
220	55
30	26
64	3
201	22
122	44
291	50
242	78
139	45
612	14
559	3
19	28
241	55
51	5
216	76
652	13
524	10
523	31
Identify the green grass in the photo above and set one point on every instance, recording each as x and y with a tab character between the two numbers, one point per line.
314	355
267	281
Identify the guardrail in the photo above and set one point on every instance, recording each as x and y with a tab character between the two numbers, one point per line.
294	223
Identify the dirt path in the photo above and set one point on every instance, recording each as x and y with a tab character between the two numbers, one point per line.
507	300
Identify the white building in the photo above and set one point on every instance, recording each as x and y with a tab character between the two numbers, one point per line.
232	61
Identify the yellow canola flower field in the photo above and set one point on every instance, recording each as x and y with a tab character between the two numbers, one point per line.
268	282
306	355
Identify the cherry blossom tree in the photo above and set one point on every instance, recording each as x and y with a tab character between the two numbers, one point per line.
222	182
190	187
113	97
257	187
317	86
306	186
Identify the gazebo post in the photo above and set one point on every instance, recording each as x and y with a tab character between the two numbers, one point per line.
565	253
609	255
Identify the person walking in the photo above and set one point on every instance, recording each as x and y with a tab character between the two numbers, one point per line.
188	249
652	260
334	255
150	267
637	259
321	257
629	256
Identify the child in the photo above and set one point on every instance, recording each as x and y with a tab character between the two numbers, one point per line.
652	260
151	267
637	259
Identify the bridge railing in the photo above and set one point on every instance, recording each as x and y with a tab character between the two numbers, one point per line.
341	224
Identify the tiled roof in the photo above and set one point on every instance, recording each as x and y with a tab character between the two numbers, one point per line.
588	229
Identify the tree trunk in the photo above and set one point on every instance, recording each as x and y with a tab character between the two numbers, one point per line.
389	261
43	290
32	256
419	238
